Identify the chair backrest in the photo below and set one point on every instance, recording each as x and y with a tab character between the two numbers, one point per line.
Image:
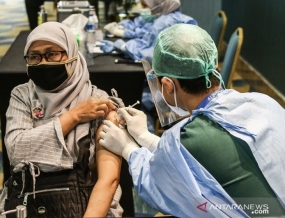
218	28
231	56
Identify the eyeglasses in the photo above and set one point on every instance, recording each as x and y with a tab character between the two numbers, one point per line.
53	56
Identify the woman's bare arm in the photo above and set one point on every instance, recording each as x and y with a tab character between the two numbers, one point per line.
108	169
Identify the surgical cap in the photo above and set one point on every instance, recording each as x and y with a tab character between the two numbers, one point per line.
184	51
163	7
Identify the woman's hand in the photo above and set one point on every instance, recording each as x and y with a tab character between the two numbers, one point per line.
84	112
91	109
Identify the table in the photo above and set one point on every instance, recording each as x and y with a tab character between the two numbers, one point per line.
127	79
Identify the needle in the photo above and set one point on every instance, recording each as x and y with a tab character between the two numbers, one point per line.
134	104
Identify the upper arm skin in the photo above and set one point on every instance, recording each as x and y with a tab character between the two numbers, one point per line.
108	169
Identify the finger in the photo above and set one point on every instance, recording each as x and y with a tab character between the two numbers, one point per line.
132	111
122	122
107	124
120	119
110	105
105	128
101	100
125	114
102	134
102	107
121	126
111	125
100	113
102	142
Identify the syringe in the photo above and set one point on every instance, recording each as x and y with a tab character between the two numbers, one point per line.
134	104
119	117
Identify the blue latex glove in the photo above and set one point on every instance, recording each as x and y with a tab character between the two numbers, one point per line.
118	44
107	46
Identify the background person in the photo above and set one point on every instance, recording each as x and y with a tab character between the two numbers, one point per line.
136	28
165	13
50	135
230	151
32	8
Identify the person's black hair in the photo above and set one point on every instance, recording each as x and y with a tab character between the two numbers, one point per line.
198	85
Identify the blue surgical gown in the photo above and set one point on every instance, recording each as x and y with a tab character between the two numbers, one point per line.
142	48
173	182
136	28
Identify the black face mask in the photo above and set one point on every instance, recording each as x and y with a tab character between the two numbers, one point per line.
48	76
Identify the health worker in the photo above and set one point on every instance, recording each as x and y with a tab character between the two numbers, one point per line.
224	159
135	28
161	14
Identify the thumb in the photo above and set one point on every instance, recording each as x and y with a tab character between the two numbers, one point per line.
132	111
125	114
108	123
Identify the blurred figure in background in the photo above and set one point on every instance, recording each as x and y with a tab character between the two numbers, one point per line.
131	29
162	14
107	4
32	8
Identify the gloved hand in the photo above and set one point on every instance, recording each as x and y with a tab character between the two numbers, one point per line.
136	122
107	46
119	31
119	44
110	27
115	29
117	140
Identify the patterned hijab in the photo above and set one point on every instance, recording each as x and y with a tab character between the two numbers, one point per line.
77	89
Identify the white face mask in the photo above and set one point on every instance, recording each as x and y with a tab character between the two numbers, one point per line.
181	112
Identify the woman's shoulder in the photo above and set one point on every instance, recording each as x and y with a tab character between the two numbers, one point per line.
20	93
21	89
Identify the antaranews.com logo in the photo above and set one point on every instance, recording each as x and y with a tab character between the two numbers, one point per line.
255	209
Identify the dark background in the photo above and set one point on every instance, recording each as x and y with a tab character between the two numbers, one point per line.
263	23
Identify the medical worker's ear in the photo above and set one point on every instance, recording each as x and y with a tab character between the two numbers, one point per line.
176	83
168	85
